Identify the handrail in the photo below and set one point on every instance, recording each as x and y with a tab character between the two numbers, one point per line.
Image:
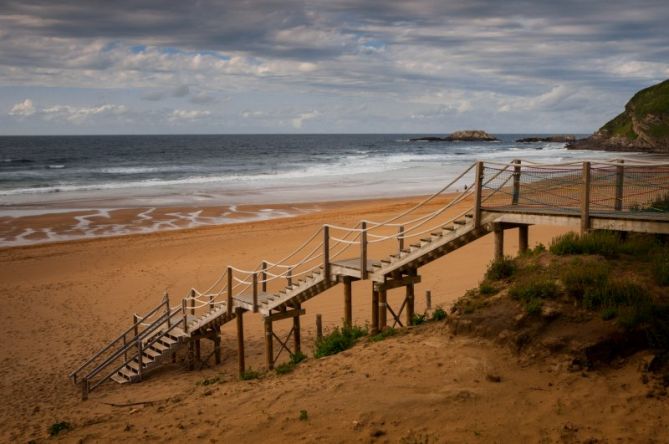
153	341
108	346
131	344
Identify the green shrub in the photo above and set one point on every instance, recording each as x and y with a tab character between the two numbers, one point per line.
533	306
615	293
249	374
638	244
439	314
289	366
487	289
383	334
579	275
500	269
418	319
609	313
304	416
56	428
605	243
534	287
340	339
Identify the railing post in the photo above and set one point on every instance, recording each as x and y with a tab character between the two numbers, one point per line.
516	182
289	276
585	199
229	300
192	302
400	238
326	252
184	314
84	389
135	322
478	184
211	302
140	360
363	250
167	308
263	276
125	349
620	177
255	292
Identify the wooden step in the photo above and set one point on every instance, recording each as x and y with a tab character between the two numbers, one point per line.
152	353
120	378
448	228
460	222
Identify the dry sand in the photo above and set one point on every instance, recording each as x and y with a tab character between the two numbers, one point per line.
62	302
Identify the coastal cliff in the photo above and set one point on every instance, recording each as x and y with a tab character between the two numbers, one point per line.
643	126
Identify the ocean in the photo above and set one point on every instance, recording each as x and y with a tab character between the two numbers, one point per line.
100	174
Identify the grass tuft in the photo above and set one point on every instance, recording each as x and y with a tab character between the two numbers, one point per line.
604	243
289	366
419	318
439	314
579	275
500	269
56	428
383	334
249	374
340	339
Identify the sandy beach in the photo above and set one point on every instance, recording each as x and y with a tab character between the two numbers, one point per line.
63	301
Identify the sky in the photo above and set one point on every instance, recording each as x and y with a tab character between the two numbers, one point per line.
330	66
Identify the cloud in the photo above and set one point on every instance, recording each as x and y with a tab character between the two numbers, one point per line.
181	91
182	114
79	115
298	121
23	109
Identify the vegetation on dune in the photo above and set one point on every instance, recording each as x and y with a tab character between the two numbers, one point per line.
338	340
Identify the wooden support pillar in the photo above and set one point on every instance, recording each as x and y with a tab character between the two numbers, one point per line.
269	344
375	311
217	346
348	308
620	177
410	296
523	238
499	241
239	315
428	300
478	190
383	309
585	199
263	277
297	339
84	389
229	295
191	355
319	327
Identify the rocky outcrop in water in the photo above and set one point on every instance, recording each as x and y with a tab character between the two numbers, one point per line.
464	136
643	126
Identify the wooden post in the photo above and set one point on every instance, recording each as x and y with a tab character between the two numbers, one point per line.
229	299
125	349
585	199
296	330
217	347
498	228
428	299
383	309
523	238
326	253
140	359
197	350
185	315
477	194
269	344
289	276
135	324
211	302
167	308
363	250
84	389
255	292
620	176
239	315
348	309
375	311
319	327
192	302
410	296
400	238
191	358
264	277
516	182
